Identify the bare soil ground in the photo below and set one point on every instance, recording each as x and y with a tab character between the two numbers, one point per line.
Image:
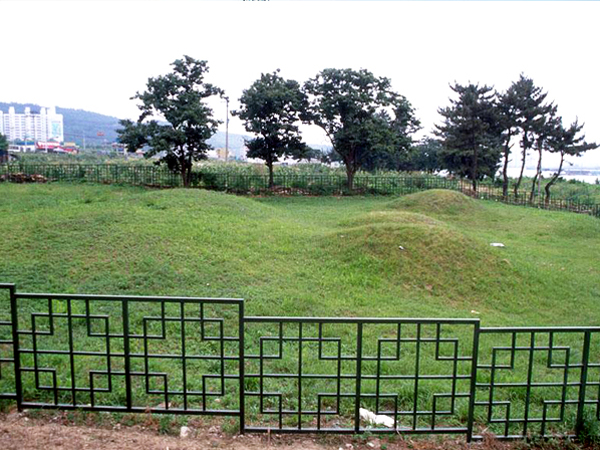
52	431
21	431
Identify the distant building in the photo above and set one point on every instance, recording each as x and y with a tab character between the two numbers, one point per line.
44	126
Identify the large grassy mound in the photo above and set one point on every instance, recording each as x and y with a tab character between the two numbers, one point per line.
437	201
422	254
306	256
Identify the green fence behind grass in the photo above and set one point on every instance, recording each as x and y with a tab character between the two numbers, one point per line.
286	184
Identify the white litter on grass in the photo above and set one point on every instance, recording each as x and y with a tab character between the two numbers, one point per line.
400	247
184	432
497	244
375	419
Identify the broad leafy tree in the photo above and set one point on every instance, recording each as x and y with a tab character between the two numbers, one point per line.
470	133
272	108
174	123
425	155
360	114
566	142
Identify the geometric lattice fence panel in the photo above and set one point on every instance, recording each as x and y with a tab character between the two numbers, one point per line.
310	374
537	381
154	354
7	369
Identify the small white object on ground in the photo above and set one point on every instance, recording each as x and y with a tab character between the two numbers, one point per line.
400	247
497	244
184	432
375	419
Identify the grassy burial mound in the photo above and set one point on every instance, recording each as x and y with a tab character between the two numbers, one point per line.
426	254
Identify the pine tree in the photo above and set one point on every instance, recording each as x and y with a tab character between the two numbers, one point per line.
471	134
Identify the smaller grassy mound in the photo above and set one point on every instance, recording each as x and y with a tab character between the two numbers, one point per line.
418	253
439	201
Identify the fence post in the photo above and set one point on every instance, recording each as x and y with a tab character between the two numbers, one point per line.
473	385
15	337
242	363
358	376
127	367
585	356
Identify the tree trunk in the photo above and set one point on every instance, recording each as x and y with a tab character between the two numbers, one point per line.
184	178
554	178
505	168
538	173
271	178
518	184
350	176
474	170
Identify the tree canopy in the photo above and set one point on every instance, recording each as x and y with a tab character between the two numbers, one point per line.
272	108
178	98
470	133
566	142
360	114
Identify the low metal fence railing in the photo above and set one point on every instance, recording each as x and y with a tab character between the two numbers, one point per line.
204	356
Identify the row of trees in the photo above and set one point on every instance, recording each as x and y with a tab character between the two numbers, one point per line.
359	112
369	125
481	127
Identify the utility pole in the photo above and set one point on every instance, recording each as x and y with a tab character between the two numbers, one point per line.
227	130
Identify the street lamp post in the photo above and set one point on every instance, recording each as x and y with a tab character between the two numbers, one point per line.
227	129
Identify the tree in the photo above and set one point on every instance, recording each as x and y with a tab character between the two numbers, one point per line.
3	143
507	115
272	108
565	142
178	98
359	113
3	148
425	155
471	134
530	114
544	130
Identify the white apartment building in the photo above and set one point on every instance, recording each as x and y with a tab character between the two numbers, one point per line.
45	126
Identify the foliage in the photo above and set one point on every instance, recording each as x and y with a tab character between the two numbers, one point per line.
3	143
178	97
3	148
360	114
272	108
529	114
470	133
566	142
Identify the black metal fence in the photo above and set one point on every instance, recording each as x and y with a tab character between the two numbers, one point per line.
291	184
204	356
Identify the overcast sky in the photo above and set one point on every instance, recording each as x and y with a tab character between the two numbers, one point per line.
96	55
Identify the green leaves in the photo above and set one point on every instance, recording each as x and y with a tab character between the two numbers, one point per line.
272	108
361	115
471	133
178	98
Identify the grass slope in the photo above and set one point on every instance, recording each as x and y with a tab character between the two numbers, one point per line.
306	256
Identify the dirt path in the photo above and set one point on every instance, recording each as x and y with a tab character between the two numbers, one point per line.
21	432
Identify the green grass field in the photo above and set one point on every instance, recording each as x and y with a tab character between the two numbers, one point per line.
424	255
306	256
